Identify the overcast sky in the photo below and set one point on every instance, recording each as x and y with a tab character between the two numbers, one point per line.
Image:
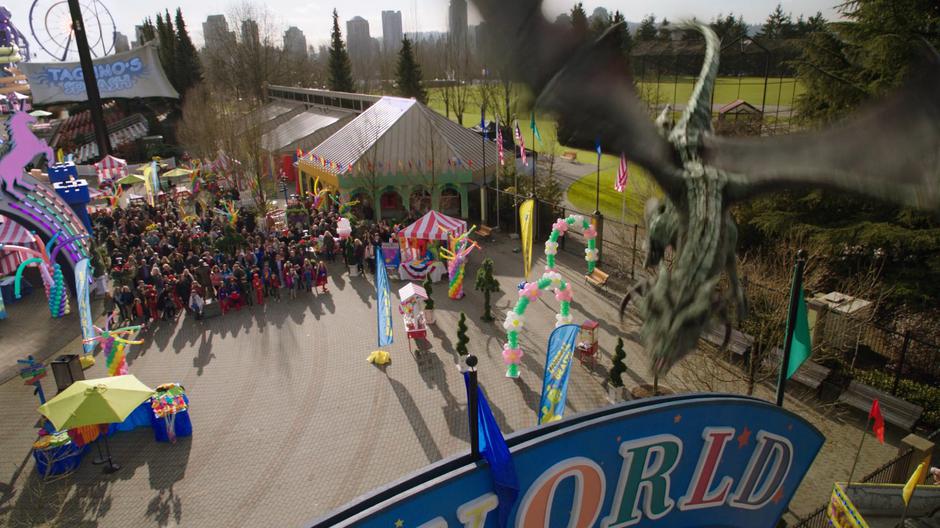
313	16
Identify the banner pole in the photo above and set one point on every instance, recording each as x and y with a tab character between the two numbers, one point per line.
473	407
791	325
858	452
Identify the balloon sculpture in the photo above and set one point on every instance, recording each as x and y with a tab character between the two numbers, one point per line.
230	212
113	344
168	401
456	253
49	270
530	291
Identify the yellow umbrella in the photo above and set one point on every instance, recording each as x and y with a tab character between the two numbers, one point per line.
176	173
96	401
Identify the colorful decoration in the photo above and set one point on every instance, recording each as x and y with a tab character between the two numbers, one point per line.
50	271
230	211
114	344
456	253
167	402
551	279
379	357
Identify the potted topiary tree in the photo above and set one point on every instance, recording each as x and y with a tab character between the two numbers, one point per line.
486	284
615	389
428	304
462	341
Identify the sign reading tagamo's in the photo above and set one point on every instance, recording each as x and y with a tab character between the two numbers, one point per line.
688	461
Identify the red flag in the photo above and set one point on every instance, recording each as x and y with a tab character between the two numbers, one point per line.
879	426
622	173
521	144
499	143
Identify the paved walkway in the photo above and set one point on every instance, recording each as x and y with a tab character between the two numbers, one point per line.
290	421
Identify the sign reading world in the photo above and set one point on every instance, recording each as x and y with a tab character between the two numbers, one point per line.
135	73
687	461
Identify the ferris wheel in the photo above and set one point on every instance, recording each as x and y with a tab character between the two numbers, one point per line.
50	23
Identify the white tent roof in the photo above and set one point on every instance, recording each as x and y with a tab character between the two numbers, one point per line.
299	127
402	130
410	291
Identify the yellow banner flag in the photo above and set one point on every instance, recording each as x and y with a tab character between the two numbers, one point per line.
912	483
526	219
148	185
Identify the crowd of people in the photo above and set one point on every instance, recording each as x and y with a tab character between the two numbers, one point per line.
164	262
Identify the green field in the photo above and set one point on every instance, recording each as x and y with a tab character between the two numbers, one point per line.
779	92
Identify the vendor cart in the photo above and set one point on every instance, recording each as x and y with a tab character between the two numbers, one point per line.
587	342
412	310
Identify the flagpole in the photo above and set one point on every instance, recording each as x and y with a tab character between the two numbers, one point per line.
483	143
534	195
473	405
791	324
597	186
859	452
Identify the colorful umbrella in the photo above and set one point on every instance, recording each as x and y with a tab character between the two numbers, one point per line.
176	173
96	401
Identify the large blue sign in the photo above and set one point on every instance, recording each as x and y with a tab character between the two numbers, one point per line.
131	74
686	461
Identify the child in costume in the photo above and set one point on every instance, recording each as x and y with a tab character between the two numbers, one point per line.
258	287
322	275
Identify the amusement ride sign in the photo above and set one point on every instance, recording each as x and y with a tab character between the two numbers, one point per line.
691	461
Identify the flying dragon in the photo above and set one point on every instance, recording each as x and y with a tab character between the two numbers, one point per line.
890	151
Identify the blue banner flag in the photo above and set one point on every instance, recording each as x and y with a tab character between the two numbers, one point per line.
483	121
494	449
597	144
557	365
82	280
384	300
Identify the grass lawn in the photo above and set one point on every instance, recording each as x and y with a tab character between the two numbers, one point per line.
639	185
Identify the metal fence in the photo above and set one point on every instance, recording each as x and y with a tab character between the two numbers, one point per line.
893	471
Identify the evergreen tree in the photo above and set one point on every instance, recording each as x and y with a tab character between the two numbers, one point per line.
428	304
647	29
579	20
599	23
664	32
618	367
148	32
841	68
622	32
409	74
728	27
340	68
487	284
778	25
189	68
166	35
462	338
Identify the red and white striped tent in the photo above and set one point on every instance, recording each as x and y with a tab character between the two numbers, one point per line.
13	234
110	168
433	226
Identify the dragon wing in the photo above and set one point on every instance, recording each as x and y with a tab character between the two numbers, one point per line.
889	151
588	82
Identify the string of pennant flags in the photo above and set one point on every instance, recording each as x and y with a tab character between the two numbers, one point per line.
381	166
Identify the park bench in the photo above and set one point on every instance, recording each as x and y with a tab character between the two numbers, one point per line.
484	231
570	155
810	374
598	278
895	410
739	343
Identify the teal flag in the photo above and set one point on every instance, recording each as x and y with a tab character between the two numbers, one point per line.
535	129
800	346
384	300
557	366
82	280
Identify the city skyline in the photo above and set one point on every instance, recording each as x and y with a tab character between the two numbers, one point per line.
315	18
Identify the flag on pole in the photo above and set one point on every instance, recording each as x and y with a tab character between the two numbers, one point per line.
494	449
520	143
800	346
499	144
383	297
535	128
912	483
878	426
622	174
597	145
525	234
483	121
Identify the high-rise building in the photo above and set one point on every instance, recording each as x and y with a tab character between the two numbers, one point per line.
391	31
457	23
215	32
120	42
250	31
359	42
295	43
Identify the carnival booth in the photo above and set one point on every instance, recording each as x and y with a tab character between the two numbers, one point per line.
412	311
419	243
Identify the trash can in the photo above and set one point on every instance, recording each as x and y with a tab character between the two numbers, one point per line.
67	369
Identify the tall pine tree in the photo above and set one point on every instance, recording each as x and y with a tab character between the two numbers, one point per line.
340	68
189	68
579	19
166	36
647	29
408	74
